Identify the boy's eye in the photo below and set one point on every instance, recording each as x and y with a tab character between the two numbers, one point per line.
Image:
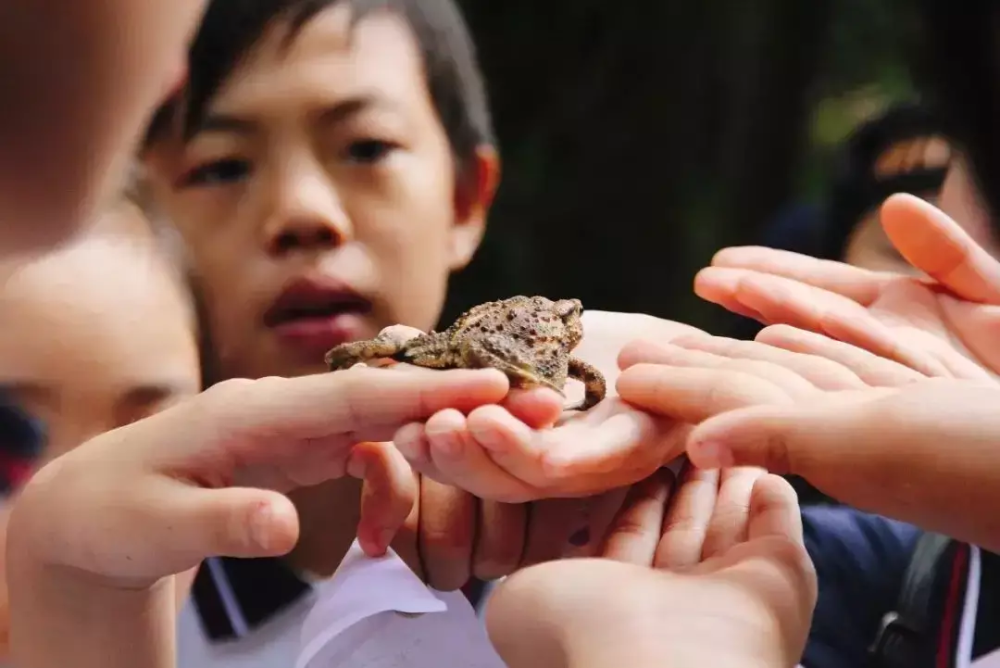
369	150
219	172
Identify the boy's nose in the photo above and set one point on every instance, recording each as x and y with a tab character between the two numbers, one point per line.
307	214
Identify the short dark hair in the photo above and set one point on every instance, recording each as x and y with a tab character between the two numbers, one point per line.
856	188
230	28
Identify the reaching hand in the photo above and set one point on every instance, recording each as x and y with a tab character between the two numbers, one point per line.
925	453
156	497
944	326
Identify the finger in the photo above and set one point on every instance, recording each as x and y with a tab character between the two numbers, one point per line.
636	530
825	374
447	533
500	539
587	537
233	522
457	459
551	524
407	541
730	519
411	441
387	495
774	510
365	404
611	446
709	355
782	301
860	285
691	395
687	520
777	437
872	370
537	408
938	246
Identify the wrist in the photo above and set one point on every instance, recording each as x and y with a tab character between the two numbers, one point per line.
59	617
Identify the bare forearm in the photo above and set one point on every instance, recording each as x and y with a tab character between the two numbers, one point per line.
60	621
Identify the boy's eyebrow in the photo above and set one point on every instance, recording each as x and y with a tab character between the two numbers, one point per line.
223	123
344	109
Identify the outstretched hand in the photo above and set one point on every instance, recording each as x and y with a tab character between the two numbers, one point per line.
942	326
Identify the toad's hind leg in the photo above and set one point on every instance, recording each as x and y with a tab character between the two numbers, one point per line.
496	353
347	355
595	387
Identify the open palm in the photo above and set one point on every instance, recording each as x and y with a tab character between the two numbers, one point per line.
943	326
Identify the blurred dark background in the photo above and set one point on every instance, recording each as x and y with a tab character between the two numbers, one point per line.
639	137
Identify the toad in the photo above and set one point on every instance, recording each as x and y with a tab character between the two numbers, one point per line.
527	338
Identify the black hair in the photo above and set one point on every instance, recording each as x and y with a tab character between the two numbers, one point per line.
957	57
857	189
231	28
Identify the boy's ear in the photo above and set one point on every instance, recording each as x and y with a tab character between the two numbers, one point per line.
474	192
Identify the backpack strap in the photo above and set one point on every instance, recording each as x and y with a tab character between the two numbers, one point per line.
904	634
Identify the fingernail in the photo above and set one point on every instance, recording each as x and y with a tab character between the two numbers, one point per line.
260	525
713	454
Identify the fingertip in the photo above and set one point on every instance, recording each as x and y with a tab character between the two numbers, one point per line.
537	407
274	525
411	441
639	351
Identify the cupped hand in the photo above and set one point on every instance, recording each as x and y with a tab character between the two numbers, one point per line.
704	574
518	452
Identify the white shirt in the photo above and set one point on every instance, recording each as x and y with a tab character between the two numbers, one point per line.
275	644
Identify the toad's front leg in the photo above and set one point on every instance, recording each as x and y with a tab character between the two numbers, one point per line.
595	387
347	355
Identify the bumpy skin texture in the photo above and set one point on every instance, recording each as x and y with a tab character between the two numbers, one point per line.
528	338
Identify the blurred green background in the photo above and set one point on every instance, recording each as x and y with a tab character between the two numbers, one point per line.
639	137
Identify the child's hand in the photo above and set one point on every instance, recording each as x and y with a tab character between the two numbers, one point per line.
157	497
716	575
944	326
924	453
500	454
452	535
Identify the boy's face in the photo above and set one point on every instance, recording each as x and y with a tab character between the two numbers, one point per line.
320	197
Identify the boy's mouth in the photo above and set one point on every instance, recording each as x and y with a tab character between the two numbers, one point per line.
313	315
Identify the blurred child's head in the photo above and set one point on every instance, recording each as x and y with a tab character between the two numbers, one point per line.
330	166
96	335
903	150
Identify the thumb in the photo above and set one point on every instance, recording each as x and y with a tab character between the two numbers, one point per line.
938	246
232	522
